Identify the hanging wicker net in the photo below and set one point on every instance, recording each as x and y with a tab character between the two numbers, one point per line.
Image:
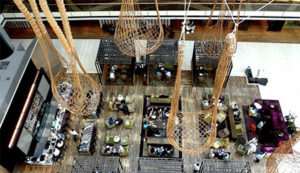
212	41
285	158
191	132
72	87
134	35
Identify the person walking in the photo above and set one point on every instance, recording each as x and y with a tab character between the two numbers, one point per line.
74	133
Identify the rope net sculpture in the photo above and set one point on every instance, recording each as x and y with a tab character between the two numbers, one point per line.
285	158
72	87
134	35
188	131
214	35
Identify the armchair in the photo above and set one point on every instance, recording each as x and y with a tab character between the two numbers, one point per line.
107	125
126	153
128	124
241	149
109	139
125	140
221	116
111	106
239	129
221	143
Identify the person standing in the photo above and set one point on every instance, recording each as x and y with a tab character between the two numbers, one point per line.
74	133
196	167
259	156
259	126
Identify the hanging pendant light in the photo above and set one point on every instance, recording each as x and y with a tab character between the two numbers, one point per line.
134	35
72	87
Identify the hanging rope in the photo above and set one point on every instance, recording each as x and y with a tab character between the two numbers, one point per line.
76	90
237	24
134	35
192	132
212	41
286	158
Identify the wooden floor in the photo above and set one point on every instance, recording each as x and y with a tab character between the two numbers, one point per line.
257	32
237	90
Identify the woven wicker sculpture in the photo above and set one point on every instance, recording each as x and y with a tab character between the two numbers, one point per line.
214	35
285	158
190	132
72	87
134	35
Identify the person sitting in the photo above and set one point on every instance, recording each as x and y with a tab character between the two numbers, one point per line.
159	150
205	103
114	68
121	149
145	125
158	75
165	113
259	126
42	158
111	121
252	111
112	76
125	110
119	121
220	153
279	134
158	134
152	150
259	156
114	150
107	149
168	75
252	128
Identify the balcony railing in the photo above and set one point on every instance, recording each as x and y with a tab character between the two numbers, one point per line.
198	10
163	6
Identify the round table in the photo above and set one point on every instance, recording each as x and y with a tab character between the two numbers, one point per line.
117	139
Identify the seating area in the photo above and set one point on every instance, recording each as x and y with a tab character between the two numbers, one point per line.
204	68
224	130
160	150
265	122
121	103
117	68
155	117
115	146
